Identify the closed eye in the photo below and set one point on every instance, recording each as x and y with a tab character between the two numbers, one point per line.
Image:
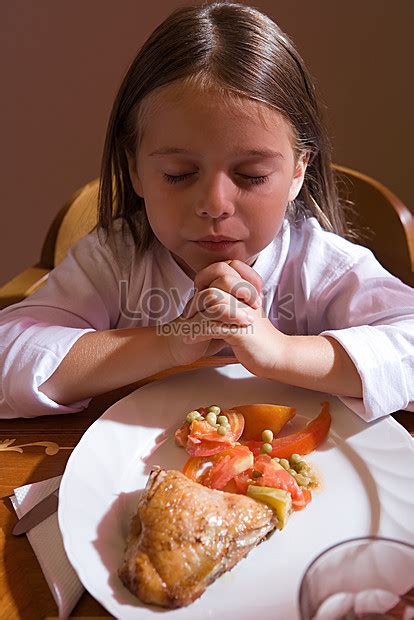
182	177
176	179
255	180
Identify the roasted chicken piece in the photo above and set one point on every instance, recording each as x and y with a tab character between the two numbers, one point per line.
185	535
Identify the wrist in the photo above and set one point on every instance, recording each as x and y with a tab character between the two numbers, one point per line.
279	347
166	339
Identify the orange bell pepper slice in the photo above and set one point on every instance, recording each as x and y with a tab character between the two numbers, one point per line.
259	417
302	442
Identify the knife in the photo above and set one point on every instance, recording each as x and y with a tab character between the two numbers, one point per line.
38	513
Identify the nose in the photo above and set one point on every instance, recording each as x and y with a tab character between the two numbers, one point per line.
215	198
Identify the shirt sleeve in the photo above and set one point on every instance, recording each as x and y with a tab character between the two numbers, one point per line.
80	296
371	314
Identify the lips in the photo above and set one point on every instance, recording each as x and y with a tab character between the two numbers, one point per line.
217	243
216	238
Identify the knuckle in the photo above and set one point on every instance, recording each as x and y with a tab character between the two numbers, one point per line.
228	281
222	270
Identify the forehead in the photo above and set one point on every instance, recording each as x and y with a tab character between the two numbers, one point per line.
182	106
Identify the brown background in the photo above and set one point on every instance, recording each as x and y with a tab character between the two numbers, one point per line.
63	61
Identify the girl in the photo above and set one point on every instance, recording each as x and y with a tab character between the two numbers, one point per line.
219	228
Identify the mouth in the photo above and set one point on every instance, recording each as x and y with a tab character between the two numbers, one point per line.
216	244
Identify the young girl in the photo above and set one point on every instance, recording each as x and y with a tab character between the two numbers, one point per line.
219	229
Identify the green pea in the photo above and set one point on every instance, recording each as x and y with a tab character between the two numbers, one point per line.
295	458
302	467
267	436
214	409
303	481
285	464
293	472
222	419
193	415
222	430
266	448
276	459
211	418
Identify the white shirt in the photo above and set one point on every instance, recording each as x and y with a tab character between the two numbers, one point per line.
315	282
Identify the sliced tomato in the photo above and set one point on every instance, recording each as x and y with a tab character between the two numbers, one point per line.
226	465
300	502
194	468
200	429
273	475
217	471
230	487
243	480
181	435
303	441
231	470
196	447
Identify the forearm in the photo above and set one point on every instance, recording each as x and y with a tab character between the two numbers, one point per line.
316	363
105	360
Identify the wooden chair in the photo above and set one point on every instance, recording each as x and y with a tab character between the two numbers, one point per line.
386	225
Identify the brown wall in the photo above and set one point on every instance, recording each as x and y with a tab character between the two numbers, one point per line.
64	60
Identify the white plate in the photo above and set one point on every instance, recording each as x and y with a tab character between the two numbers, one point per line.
367	473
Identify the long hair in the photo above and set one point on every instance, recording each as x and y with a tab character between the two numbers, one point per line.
243	54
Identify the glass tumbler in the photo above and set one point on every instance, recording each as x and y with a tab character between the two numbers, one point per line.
361	578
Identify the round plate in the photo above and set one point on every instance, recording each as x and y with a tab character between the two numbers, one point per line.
367	474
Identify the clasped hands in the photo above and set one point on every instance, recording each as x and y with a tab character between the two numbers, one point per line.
227	308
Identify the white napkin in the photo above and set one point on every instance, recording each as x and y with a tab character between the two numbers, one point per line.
47	544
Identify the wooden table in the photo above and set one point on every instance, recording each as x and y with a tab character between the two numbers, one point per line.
35	449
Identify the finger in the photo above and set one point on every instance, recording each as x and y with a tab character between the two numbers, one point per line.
241	289
212	272
223	332
236	278
223	313
203	300
247	273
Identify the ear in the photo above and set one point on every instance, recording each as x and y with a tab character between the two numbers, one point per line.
133	175
299	176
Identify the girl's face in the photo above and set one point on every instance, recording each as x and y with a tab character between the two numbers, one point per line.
206	169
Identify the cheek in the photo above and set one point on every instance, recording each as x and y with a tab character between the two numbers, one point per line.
270	205
164	220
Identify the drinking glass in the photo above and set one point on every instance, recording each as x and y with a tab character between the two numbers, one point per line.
361	578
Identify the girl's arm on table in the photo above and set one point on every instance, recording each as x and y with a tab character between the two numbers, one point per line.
316	363
343	295
102	361
62	338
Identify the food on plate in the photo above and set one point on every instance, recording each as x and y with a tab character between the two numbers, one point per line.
279	501
185	535
302	442
240	482
271	470
225	465
264	416
205	433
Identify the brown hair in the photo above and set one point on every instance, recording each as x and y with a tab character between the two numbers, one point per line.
243	53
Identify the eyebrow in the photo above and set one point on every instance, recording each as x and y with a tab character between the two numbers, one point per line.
264	153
